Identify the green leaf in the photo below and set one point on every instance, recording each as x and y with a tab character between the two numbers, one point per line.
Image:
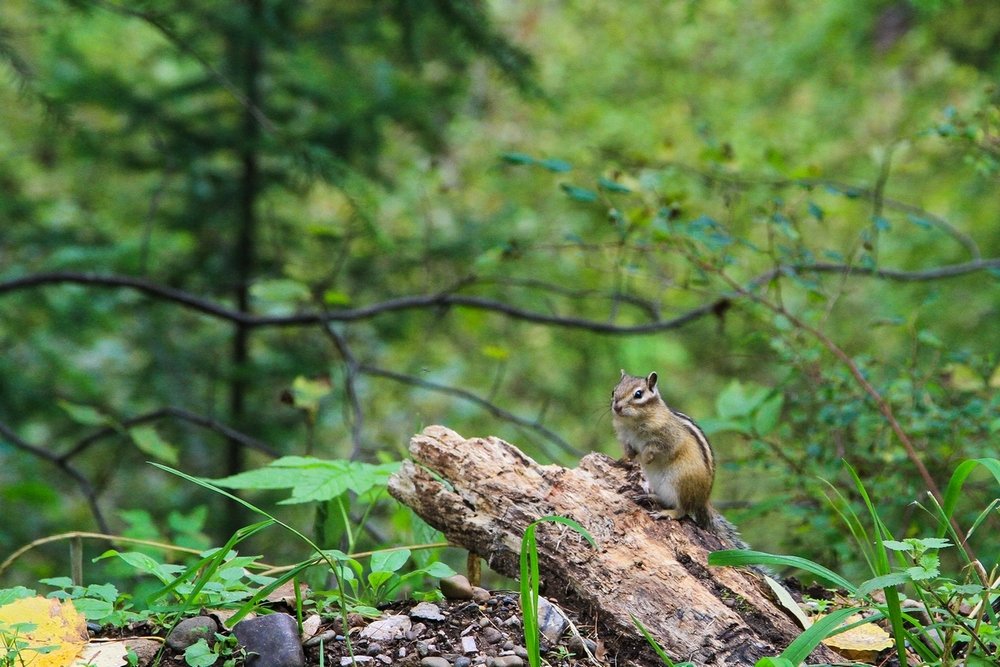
200	654
612	186
767	414
389	561
896	545
439	570
558	166
148	441
518	158
84	414
740	557
579	194
803	645
93	610
882	582
737	400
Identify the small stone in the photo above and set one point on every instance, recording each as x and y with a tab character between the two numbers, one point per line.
469	645
480	595
387	629
507	646
144	649
374	649
462	661
513	622
576	645
552	621
323	637
521	652
434	661
416	631
507	661
384	659
427	611
492	635
190	630
356	660
456	587
401	652
422	649
270	641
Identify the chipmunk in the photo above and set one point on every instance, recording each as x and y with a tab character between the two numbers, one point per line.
676	458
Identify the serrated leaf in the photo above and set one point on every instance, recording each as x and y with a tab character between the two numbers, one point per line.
896	545
579	194
148	441
884	581
83	414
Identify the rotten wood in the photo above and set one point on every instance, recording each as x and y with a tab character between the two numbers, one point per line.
483	492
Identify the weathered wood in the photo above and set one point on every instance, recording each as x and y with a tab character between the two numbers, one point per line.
483	492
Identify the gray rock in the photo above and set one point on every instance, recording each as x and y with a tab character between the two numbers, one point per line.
427	611
552	621
387	629
469	644
190	630
506	661
492	635
456	587
145	649
521	652
434	661
576	645
462	661
270	641
356	660
480	595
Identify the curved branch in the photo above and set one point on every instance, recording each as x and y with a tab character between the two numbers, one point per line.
492	408
175	413
86	487
452	300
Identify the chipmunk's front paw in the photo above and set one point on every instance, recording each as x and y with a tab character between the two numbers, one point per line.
667	514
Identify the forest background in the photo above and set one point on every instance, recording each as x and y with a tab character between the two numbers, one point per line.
232	232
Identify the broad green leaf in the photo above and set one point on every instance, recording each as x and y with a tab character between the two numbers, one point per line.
84	414
200	654
768	414
882	582
389	561
896	545
579	194
439	570
93	610
148	441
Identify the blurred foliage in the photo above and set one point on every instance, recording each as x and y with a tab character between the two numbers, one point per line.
281	158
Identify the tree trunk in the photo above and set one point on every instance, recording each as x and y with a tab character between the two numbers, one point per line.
483	492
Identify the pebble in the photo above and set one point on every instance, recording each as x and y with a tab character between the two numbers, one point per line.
552	621
190	630
416	631
434	661
374	649
513	622
356	660
456	587
506	661
427	611
469	645
145	649
384	659
480	595
492	635
462	661
327	636
271	641
507	646
576	644
521	652
387	629
422	649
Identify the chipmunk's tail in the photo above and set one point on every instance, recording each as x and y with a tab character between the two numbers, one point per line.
726	531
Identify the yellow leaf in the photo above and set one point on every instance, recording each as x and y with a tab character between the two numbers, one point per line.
862	643
963	378
50	633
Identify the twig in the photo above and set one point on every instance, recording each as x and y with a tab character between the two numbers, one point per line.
492	408
81	481
176	413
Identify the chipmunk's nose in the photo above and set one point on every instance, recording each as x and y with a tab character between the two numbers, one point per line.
617	407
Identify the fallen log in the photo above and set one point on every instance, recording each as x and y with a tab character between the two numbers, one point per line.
483	492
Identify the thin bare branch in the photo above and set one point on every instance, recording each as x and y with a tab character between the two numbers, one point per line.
86	488
492	408
450	300
174	413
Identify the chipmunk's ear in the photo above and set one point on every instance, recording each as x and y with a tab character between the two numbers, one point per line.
623	373
651	381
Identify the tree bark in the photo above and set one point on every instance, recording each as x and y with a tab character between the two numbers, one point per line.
483	492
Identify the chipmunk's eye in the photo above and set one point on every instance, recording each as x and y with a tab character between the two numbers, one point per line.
637	394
